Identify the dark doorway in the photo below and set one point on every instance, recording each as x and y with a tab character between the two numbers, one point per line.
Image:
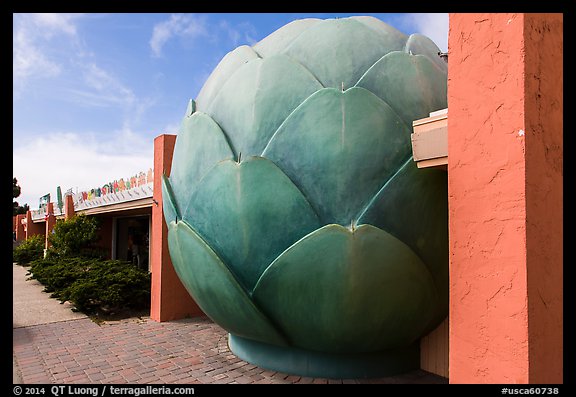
132	240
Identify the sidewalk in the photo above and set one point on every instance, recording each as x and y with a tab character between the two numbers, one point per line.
51	344
34	307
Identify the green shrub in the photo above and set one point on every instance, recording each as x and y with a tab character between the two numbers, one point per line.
74	237
57	273
112	285
29	250
94	285
74	270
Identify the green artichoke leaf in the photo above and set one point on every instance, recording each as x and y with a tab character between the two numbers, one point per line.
225	68
249	212
339	51
343	291
394	35
411	84
338	147
214	288
420	44
243	108
169	205
277	41
413	207
199	145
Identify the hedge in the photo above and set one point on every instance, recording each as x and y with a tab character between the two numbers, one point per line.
94	285
29	250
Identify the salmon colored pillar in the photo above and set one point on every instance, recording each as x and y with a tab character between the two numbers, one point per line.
20	235
68	206
32	228
50	222
544	193
170	300
505	197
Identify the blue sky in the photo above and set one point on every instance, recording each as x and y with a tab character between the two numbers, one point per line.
91	91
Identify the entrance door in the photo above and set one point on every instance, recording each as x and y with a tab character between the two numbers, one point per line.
132	240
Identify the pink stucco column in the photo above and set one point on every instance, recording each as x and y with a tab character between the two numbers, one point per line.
505	197
19	227
169	300
32	228
68	206
50	223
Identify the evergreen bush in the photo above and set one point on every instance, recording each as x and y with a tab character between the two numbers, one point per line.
75	270
74	237
94	285
29	250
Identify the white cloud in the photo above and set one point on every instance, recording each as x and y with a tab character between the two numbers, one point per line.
179	25
28	60
249	31
172	128
435	26
242	33
33	35
104	89
191	27
232	33
82	161
73	159
52	23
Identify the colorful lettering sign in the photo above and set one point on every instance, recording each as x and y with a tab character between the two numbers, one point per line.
121	185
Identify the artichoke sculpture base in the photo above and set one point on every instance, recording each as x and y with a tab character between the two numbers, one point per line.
316	364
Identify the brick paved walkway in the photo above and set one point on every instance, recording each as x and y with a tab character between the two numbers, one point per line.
139	351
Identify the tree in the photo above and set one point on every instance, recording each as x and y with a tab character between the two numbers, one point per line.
17	208
15	189
75	236
20	209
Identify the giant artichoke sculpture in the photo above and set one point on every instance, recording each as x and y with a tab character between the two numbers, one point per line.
297	219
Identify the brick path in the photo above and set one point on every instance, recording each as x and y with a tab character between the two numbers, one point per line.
139	351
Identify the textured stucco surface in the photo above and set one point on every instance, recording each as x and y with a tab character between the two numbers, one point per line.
20	235
486	172
498	199
32	228
544	205
169	298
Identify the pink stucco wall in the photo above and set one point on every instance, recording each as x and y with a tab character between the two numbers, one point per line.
500	147
32	228
169	298
544	205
